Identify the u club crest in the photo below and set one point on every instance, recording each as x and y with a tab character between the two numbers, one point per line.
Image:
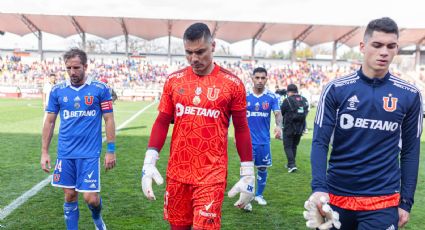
389	103
88	100
212	94
265	105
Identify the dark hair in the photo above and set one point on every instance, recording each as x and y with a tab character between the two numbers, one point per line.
75	52
386	25
197	31
52	75
259	70
292	88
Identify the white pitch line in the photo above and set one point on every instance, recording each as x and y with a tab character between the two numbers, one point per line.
34	190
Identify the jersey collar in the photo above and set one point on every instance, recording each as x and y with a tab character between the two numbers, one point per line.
213	72
88	82
373	81
259	95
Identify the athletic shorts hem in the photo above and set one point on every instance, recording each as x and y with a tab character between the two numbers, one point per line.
82	190
260	166
63	186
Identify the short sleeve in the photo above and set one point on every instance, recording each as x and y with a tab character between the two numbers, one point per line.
53	103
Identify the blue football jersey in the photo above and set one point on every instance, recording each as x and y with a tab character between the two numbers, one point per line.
80	111
259	109
374	127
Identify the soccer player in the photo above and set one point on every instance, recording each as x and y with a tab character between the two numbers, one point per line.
260	104
200	99
48	84
375	120
81	103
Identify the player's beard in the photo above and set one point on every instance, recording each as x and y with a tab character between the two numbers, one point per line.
77	79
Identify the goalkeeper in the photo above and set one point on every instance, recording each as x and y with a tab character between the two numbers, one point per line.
200	99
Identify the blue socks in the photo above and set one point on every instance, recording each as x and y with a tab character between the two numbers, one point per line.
72	214
261	181
97	218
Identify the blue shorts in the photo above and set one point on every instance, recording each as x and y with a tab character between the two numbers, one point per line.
82	174
386	218
262	155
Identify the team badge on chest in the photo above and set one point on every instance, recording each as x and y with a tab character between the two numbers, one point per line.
197	99
88	100
390	103
212	94
257	106
77	102
265	105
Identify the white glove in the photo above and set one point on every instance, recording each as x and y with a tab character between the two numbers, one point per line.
245	186
150	172
313	216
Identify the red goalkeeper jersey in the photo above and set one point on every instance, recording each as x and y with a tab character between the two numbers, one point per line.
201	106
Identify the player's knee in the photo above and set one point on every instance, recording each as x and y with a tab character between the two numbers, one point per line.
91	198
70	195
262	169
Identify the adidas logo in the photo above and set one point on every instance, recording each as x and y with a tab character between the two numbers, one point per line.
93	186
391	227
353	99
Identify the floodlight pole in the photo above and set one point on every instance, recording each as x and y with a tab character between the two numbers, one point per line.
170	29
341	40
80	32
37	32
125	32
255	39
297	41
418	53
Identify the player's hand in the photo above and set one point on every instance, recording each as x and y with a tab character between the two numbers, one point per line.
403	217
45	162
245	186
278	133
319	214
150	172
110	161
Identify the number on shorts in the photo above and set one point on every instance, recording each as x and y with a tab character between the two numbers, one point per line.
58	165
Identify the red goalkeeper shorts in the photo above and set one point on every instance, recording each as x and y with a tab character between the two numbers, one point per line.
194	205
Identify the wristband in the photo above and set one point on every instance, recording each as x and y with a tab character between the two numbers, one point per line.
110	147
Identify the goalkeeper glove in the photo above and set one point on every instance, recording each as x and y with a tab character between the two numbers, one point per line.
319	214
245	186
150	172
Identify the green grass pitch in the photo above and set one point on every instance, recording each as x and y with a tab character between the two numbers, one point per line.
124	204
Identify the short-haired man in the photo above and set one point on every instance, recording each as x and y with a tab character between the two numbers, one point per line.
261	102
375	120
200	99
81	103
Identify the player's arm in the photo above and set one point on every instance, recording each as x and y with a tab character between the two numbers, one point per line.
409	155
277	118
110	158
319	214
47	134
246	184
156	142
324	125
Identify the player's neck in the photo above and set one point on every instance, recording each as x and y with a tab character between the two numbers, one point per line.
372	73
258	91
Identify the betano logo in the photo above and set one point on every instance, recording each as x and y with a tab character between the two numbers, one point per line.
256	114
347	122
70	114
198	111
